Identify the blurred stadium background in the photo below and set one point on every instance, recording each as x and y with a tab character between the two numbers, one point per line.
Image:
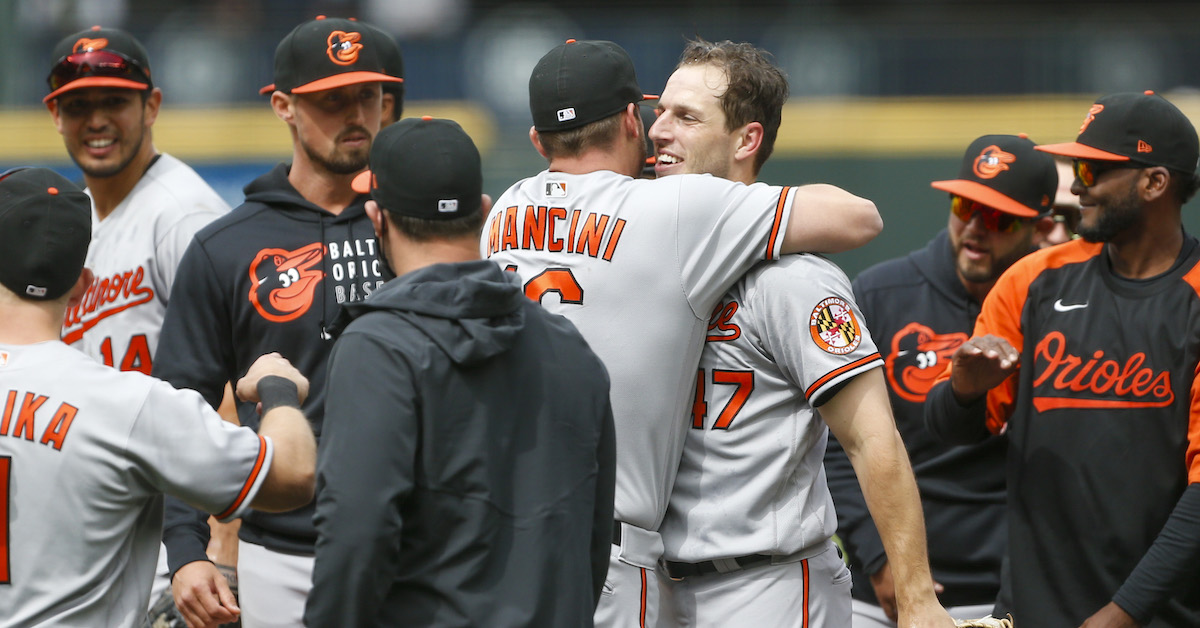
886	94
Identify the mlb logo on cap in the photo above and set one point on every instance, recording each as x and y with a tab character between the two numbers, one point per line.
566	114
448	205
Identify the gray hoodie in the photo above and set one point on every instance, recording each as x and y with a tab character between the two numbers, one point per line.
466	472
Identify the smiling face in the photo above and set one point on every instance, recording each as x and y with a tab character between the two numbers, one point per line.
690	134
1110	205
103	128
334	127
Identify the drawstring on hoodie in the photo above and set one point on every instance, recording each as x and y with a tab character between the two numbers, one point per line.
325	280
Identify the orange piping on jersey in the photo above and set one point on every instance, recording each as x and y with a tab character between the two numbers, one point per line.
535	227
56	432
5	475
618	227
1001	315
258	465
1043	404
807	599
593	231
778	222
8	410
642	613
808	392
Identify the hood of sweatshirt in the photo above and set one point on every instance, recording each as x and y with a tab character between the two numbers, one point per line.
274	189
471	310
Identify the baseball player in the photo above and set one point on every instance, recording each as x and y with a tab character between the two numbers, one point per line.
270	276
146	205
922	307
748	526
86	451
637	266
1086	355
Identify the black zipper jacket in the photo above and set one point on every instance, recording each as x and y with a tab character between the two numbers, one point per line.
269	276
467	472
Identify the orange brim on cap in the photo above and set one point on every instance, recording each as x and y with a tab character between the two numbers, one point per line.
1080	151
266	89
343	79
362	182
95	81
983	194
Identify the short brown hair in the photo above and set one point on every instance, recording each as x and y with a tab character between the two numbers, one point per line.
757	88
573	142
424	230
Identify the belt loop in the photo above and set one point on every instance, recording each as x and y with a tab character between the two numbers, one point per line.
616	535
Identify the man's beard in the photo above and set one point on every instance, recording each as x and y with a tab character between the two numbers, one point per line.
1115	218
338	162
112	171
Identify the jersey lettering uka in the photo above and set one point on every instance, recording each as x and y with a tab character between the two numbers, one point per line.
637	266
1103	422
752	480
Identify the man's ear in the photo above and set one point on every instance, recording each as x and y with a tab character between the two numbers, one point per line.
485	204
537	142
281	104
750	139
376	215
1157	183
80	288
153	102
1041	230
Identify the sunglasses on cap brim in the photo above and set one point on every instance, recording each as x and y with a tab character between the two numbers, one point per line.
96	63
993	219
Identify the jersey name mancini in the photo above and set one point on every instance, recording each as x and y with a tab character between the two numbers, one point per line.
105	297
555	230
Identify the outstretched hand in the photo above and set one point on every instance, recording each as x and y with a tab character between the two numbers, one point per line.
981	364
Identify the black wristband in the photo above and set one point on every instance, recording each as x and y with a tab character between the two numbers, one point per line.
275	391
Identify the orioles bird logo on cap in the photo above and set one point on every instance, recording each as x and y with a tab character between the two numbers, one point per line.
1091	115
992	161
343	47
87	44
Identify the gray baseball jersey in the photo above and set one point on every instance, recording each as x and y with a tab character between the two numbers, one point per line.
751	480
86	453
134	253
637	266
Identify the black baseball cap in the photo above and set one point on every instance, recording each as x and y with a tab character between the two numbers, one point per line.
424	168
326	53
1004	172
580	82
98	57
45	229
1144	128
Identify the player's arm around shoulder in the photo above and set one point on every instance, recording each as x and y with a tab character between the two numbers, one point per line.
827	219
280	388
859	415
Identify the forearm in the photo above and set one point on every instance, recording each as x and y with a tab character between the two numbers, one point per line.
890	492
1171	559
855	527
828	219
291	479
952	422
185	533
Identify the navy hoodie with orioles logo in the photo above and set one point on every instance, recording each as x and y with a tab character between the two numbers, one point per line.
269	276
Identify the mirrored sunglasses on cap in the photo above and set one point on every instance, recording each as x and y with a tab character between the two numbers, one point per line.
993	219
96	63
1086	171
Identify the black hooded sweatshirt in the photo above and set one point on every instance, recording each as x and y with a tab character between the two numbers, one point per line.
269	276
467	473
